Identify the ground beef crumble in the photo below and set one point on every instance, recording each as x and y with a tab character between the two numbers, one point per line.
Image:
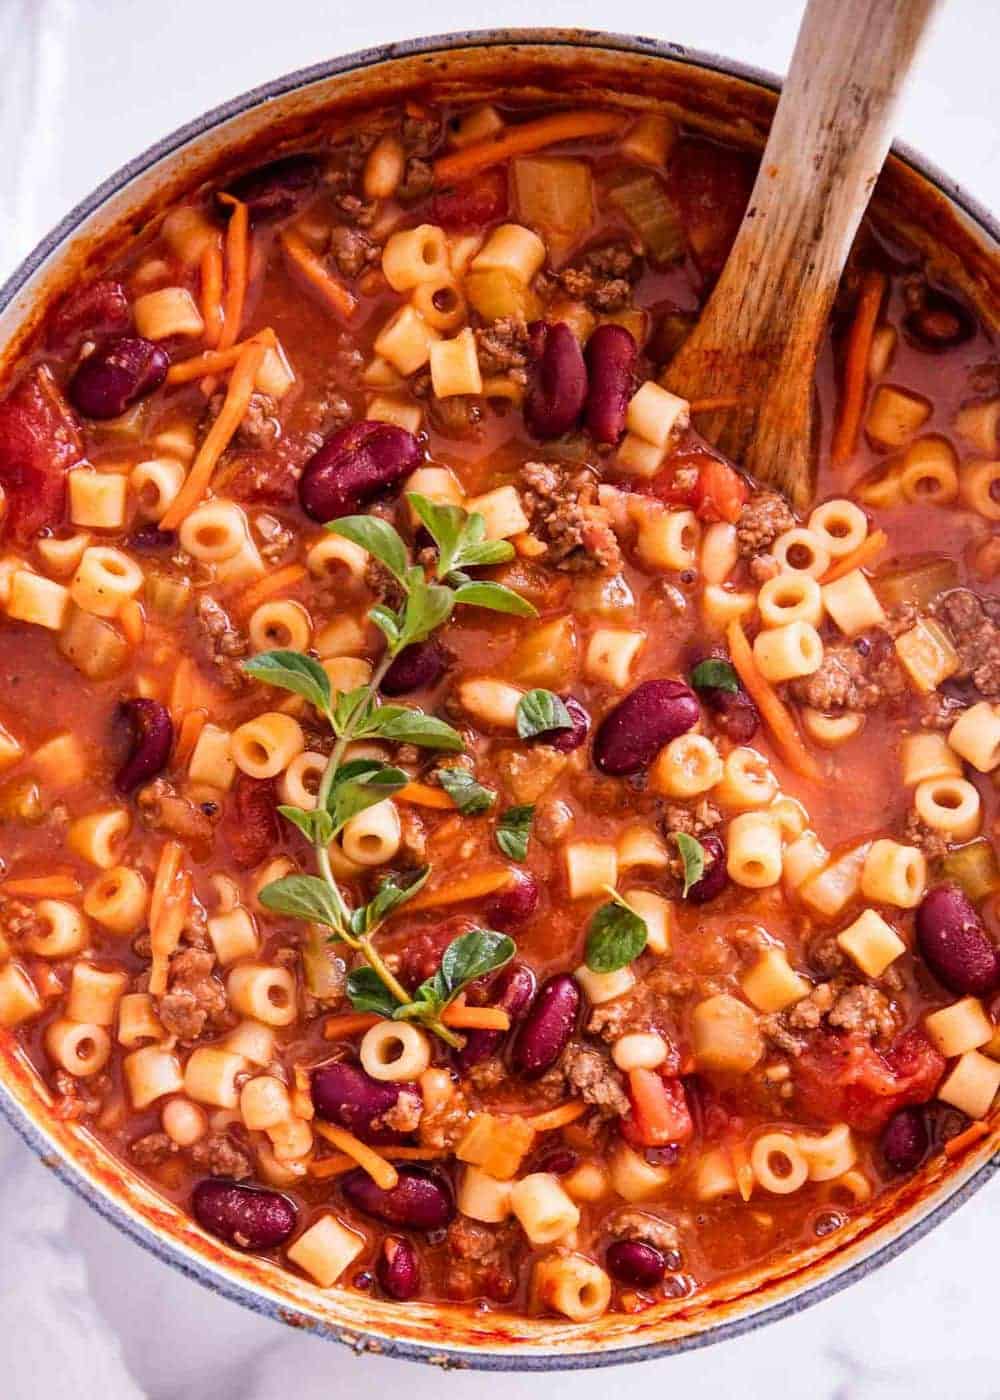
932	843
974	625
603	277
352	251
854	675
152	1150
857	1008
219	1155
677	819
194	997
79	1098
591	1075
764	517
162	808
502	347
565	514
650	1229
479	1261
443	1127
227	643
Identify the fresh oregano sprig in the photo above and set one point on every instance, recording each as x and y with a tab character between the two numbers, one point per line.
347	788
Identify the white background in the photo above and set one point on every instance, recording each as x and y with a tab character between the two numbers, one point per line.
85	85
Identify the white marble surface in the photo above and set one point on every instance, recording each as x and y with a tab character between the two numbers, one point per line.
84	1313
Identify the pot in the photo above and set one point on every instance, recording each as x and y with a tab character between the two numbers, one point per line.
720	98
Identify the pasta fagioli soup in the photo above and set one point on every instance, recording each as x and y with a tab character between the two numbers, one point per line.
462	837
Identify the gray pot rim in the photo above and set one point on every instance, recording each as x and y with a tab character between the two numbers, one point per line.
63	1166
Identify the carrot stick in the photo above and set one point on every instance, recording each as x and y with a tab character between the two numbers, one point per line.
318	277
133	621
278	582
381	1171
475	886
859	346
858	558
211	294
519	140
216	361
742	1169
187	737
237	268
342	1027
241	386
706	405
167	868
559	1117
339	1162
424	795
974	1133
476	1018
165	933
775	713
182	689
43	886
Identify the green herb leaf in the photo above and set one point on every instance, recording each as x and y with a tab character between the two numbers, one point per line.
513	830
294	671
393	891
539	711
427	606
615	937
469	797
404	726
359	785
717	674
473	955
475	556
316	827
375	535
302	897
496	597
368	992
387	622
693	856
354	709
446	526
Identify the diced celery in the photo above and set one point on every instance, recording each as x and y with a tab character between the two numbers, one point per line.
918	581
324	970
642	197
974	867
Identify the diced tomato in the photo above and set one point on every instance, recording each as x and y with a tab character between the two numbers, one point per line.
472	203
720	492
251	821
39	442
843	1078
712	185
99	307
660	1113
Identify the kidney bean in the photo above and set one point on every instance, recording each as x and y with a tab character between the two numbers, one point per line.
558	1161
954	943
152	738
936	321
99	308
118	373
354	465
716	876
415	668
343	1094
558	386
611	357
905	1140
547	1027
513	991
634	1263
249	1217
398	1269
251	820
565	740
733	711
631	735
275	190
421	1199
517	902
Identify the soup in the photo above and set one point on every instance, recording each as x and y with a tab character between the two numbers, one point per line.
463	838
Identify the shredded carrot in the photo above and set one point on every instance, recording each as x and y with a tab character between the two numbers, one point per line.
520	140
211	293
858	354
424	795
775	713
974	1133
475	886
476	1018
381	1171
858	558
342	1027
165	932
318	277
167	868
241	386
216	361
133	621
710	405
182	690
237	270
187	737
559	1117
742	1169
266	587
340	1162
43	886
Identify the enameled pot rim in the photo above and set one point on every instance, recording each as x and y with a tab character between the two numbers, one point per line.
226	1281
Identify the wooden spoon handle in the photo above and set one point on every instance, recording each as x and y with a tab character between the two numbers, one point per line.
759	334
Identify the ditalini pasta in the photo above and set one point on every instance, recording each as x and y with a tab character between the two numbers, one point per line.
463	837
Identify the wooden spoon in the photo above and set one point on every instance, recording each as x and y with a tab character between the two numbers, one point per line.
759	334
